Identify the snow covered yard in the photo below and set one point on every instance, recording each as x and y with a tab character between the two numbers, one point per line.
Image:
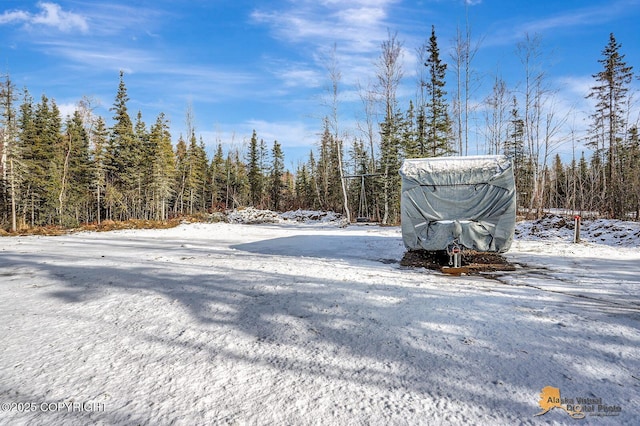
305	324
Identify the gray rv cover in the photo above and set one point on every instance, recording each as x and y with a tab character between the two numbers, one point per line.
470	200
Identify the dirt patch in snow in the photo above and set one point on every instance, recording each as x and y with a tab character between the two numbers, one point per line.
476	261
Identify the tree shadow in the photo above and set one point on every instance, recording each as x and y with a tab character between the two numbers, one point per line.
353	248
438	342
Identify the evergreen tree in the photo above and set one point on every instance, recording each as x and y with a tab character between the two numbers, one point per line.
141	168
58	171
264	170
327	174
45	160
583	192
27	146
163	168
99	136
302	188
558	185
596	192
410	137
361	186
631	177
422	143
608	120
255	173
276	176
229	190
237	181
196	174
75	191
335	176
11	165
218	179
123	158
315	198
438	124
203	166
182	174
288	199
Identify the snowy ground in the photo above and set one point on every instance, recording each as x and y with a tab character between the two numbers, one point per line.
310	324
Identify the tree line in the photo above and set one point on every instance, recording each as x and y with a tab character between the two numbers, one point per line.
76	171
56	171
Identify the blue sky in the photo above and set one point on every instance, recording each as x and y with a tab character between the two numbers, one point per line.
244	65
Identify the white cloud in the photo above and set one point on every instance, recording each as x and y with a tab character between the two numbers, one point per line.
108	19
288	134
103	57
577	18
67	109
355	26
577	85
50	15
356	29
53	15
14	16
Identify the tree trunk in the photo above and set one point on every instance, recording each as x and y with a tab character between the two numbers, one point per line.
345	200
65	169
14	225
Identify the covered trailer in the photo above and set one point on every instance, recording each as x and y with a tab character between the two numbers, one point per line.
458	202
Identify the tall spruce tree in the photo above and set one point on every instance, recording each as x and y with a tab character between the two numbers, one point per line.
182	174
99	137
44	154
409	138
163	168
10	154
217	178
255	172
608	121
123	157
75	196
141	168
27	138
196	174
438	123
277	173
327	172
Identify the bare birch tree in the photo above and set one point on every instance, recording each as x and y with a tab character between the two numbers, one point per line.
543	121
335	77
389	74
467	81
496	116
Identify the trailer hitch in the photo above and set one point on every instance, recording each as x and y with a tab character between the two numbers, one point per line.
454	250
455	254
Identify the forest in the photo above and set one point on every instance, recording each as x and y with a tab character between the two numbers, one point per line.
68	171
